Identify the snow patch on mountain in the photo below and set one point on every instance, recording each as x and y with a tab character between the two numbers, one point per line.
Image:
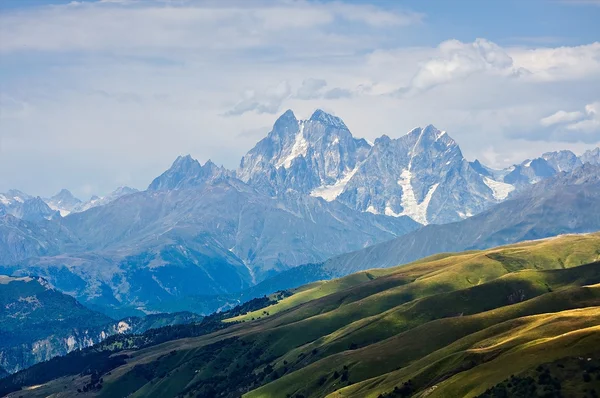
500	190
331	192
371	210
299	148
63	212
411	207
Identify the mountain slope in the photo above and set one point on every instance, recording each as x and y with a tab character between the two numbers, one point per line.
307	192
101	201
451	321
37	323
21	239
539	212
213	238
568	203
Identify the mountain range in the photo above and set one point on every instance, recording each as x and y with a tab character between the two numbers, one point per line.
305	194
422	174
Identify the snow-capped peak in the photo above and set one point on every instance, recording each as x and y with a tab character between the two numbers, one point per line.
64	202
303	155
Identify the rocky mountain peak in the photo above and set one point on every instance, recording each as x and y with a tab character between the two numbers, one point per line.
384	140
120	191
17	195
35	209
186	162
286	123
65	198
480	168
186	172
562	160
182	169
591	156
328	119
427	136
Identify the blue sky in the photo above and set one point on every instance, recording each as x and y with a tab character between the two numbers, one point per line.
98	94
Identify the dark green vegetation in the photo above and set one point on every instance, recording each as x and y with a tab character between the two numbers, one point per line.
30	308
38	322
138	325
110	353
451	325
566	377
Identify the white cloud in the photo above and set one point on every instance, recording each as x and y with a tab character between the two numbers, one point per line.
574	126
591	123
560	63
311	89
210	26
375	16
11	108
337	93
140	83
455	60
268	101
561	117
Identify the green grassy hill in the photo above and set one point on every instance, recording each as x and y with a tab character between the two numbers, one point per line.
515	319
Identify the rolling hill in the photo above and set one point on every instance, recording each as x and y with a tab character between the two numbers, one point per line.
517	317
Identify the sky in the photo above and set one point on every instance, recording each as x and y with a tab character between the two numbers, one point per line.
100	94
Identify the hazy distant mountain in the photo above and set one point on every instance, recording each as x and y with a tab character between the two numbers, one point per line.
422	175
64	202
187	172
25	207
21	239
592	156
